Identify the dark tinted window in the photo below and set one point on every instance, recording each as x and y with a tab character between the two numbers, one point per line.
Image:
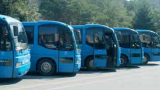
145	39
66	39
123	39
5	42
155	41
48	36
95	37
135	41
30	33
78	35
55	37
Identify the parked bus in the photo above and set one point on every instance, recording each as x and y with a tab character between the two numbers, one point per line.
53	47
131	46
99	46
14	50
151	43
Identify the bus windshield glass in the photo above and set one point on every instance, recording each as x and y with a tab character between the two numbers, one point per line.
156	41
123	39
5	41
135	41
20	39
78	37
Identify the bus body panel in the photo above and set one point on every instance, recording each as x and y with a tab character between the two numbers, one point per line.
135	56
126	52
155	54
9	60
7	69
88	51
22	57
152	52
65	60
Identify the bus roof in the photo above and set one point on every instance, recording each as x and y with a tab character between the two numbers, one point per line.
124	29
145	31
91	25
8	19
45	21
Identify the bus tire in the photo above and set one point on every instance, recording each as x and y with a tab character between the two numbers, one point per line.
46	67
146	59
90	63
124	61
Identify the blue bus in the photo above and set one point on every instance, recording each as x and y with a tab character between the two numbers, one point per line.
131	46
99	46
14	49
151	43
53	47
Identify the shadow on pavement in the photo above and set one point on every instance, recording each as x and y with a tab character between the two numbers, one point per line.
66	75
9	81
85	71
56	76
150	64
129	67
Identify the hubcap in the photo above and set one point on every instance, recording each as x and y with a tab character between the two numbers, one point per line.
46	67
122	61
91	64
145	59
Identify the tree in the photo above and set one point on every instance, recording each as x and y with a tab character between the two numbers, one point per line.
143	16
19	9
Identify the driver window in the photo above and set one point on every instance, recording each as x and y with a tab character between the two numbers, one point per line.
135	41
155	41
95	37
66	39
145	39
5	42
48	36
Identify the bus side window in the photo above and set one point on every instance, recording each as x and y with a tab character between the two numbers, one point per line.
5	42
30	33
48	36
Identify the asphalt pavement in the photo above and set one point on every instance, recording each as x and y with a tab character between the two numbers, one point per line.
141	77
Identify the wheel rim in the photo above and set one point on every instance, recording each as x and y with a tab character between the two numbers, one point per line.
46	67
122	61
91	64
145	59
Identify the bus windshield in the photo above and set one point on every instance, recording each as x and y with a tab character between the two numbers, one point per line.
20	40
135	41
5	41
156	41
77	34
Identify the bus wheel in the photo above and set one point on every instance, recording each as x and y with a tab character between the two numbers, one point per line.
124	61
146	59
46	67
90	63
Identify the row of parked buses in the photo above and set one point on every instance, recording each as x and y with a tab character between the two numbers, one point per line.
55	47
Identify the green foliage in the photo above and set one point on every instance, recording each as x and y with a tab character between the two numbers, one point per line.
19	9
107	12
141	14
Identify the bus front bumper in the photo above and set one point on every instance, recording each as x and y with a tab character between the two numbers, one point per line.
22	70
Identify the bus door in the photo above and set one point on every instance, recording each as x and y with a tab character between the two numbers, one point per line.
66	50
136	50
100	53
6	53
155	48
111	50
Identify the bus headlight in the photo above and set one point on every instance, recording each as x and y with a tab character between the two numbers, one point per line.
78	61
25	61
18	64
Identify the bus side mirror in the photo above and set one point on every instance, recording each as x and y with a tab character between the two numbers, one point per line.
15	30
